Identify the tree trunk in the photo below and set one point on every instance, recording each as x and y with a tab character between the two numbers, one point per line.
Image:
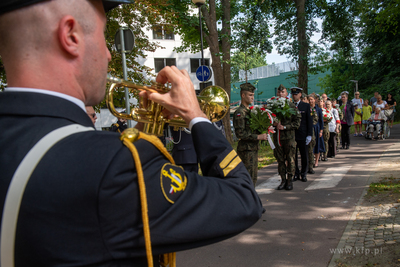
221	70
302	80
226	59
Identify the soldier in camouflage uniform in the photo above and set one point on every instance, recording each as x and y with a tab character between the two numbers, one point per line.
248	145
285	152
311	160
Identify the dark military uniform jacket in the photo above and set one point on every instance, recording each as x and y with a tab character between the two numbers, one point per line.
81	205
292	123
184	151
241	122
118	127
306	125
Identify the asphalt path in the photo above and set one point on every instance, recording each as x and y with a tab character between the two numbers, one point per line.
303	226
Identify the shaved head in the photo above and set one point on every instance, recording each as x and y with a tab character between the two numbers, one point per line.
53	45
25	31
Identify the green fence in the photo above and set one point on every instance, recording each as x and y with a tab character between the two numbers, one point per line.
266	87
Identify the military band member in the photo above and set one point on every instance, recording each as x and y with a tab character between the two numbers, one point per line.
285	145
248	145
303	134
88	196
119	126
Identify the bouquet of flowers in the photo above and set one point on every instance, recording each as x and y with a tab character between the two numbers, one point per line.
312	111
327	115
260	119
279	106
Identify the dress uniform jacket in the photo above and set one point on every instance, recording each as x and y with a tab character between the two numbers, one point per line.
81	205
118	127
184	151
306	125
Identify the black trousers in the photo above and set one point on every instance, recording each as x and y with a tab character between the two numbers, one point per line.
332	144
345	135
303	148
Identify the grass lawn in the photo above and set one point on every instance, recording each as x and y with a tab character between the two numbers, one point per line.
265	154
386	187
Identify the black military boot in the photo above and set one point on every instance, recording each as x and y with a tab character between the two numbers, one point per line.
283	183
289	184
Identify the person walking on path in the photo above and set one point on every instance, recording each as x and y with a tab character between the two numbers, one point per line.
325	132
366	113
357	100
333	129
357	120
303	134
348	120
249	142
315	138
285	147
319	146
391	105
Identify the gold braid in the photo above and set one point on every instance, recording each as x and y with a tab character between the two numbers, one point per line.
129	136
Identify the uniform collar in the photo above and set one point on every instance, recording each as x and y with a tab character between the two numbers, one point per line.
47	92
36	104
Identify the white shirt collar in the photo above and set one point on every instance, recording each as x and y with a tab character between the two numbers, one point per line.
72	99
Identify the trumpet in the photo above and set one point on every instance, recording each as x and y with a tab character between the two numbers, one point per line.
213	101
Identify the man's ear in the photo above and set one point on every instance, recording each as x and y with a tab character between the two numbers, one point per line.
70	35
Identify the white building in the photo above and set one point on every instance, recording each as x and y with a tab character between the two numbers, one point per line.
162	57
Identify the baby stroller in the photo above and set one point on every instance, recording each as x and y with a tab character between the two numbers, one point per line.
384	130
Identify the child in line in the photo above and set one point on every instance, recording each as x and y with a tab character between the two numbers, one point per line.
366	114
357	120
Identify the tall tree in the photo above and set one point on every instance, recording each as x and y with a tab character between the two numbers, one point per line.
294	26
216	31
251	33
239	61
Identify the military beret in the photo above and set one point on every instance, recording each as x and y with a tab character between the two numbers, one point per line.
296	90
247	87
281	87
11	5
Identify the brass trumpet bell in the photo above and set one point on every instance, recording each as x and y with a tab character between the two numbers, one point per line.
213	101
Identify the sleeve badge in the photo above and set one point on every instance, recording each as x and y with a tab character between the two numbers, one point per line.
173	182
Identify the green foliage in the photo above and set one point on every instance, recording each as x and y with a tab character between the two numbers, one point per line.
138	16
259	120
364	38
238	63
384	185
250	35
339	79
285	27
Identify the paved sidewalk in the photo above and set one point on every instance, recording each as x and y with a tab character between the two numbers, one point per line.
373	226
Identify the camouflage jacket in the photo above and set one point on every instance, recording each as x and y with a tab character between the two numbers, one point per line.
241	123
291	124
